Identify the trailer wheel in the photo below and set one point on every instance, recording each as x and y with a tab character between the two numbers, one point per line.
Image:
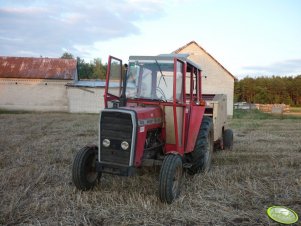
170	178
201	156
84	174
228	139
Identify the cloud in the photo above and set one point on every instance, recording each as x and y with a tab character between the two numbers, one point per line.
49	27
287	67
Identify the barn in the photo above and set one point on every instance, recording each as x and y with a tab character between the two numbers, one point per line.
216	78
47	84
35	84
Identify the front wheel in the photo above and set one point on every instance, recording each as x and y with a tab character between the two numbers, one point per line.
170	178
84	174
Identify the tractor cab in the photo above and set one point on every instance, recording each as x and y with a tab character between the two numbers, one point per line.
170	82
151	78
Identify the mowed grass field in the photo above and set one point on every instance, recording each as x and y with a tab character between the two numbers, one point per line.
37	150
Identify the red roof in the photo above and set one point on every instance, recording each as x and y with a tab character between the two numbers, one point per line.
37	68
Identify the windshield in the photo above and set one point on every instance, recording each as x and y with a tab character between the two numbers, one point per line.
151	79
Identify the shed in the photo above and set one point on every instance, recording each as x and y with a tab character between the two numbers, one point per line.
35	84
216	78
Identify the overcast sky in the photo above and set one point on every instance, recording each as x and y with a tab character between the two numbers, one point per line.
248	37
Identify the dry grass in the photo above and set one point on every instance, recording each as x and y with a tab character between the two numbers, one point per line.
37	151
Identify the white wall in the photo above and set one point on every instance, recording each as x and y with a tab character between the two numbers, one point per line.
33	94
218	81
49	95
83	99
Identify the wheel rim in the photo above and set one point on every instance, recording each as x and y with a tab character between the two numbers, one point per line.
90	171
177	180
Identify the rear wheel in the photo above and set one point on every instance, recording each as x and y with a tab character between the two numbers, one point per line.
170	179
84	174
201	156
228	139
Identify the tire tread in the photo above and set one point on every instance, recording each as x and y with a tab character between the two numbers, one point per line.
78	176
197	155
166	177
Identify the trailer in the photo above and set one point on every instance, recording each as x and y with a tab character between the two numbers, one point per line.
216	108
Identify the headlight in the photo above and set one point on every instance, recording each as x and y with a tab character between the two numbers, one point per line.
106	143
125	145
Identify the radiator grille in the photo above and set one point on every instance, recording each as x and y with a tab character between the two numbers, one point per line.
117	127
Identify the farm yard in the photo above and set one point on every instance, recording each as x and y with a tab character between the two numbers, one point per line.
37	150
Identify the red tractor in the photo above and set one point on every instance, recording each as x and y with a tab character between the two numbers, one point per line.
154	114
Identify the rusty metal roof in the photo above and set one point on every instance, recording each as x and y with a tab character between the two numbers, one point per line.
37	68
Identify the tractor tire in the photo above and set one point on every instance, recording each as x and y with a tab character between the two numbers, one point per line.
84	174
170	178
228	139
201	156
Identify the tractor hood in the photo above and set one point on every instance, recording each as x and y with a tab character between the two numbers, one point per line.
148	115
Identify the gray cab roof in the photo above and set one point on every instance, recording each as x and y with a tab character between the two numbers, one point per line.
183	57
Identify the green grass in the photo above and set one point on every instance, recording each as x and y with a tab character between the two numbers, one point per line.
4	111
295	109
256	114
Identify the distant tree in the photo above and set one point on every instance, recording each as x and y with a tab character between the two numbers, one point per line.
99	70
262	96
84	70
247	88
269	90
297	89
237	91
67	55
93	70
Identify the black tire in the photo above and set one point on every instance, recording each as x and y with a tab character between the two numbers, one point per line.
201	156
84	174
170	179
228	140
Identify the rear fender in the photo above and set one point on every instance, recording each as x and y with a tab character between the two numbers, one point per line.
194	124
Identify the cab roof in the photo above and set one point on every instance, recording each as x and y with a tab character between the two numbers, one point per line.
168	57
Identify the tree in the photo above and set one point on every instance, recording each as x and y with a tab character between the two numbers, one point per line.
99	70
261	96
237	91
67	55
93	70
269	90
84	70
